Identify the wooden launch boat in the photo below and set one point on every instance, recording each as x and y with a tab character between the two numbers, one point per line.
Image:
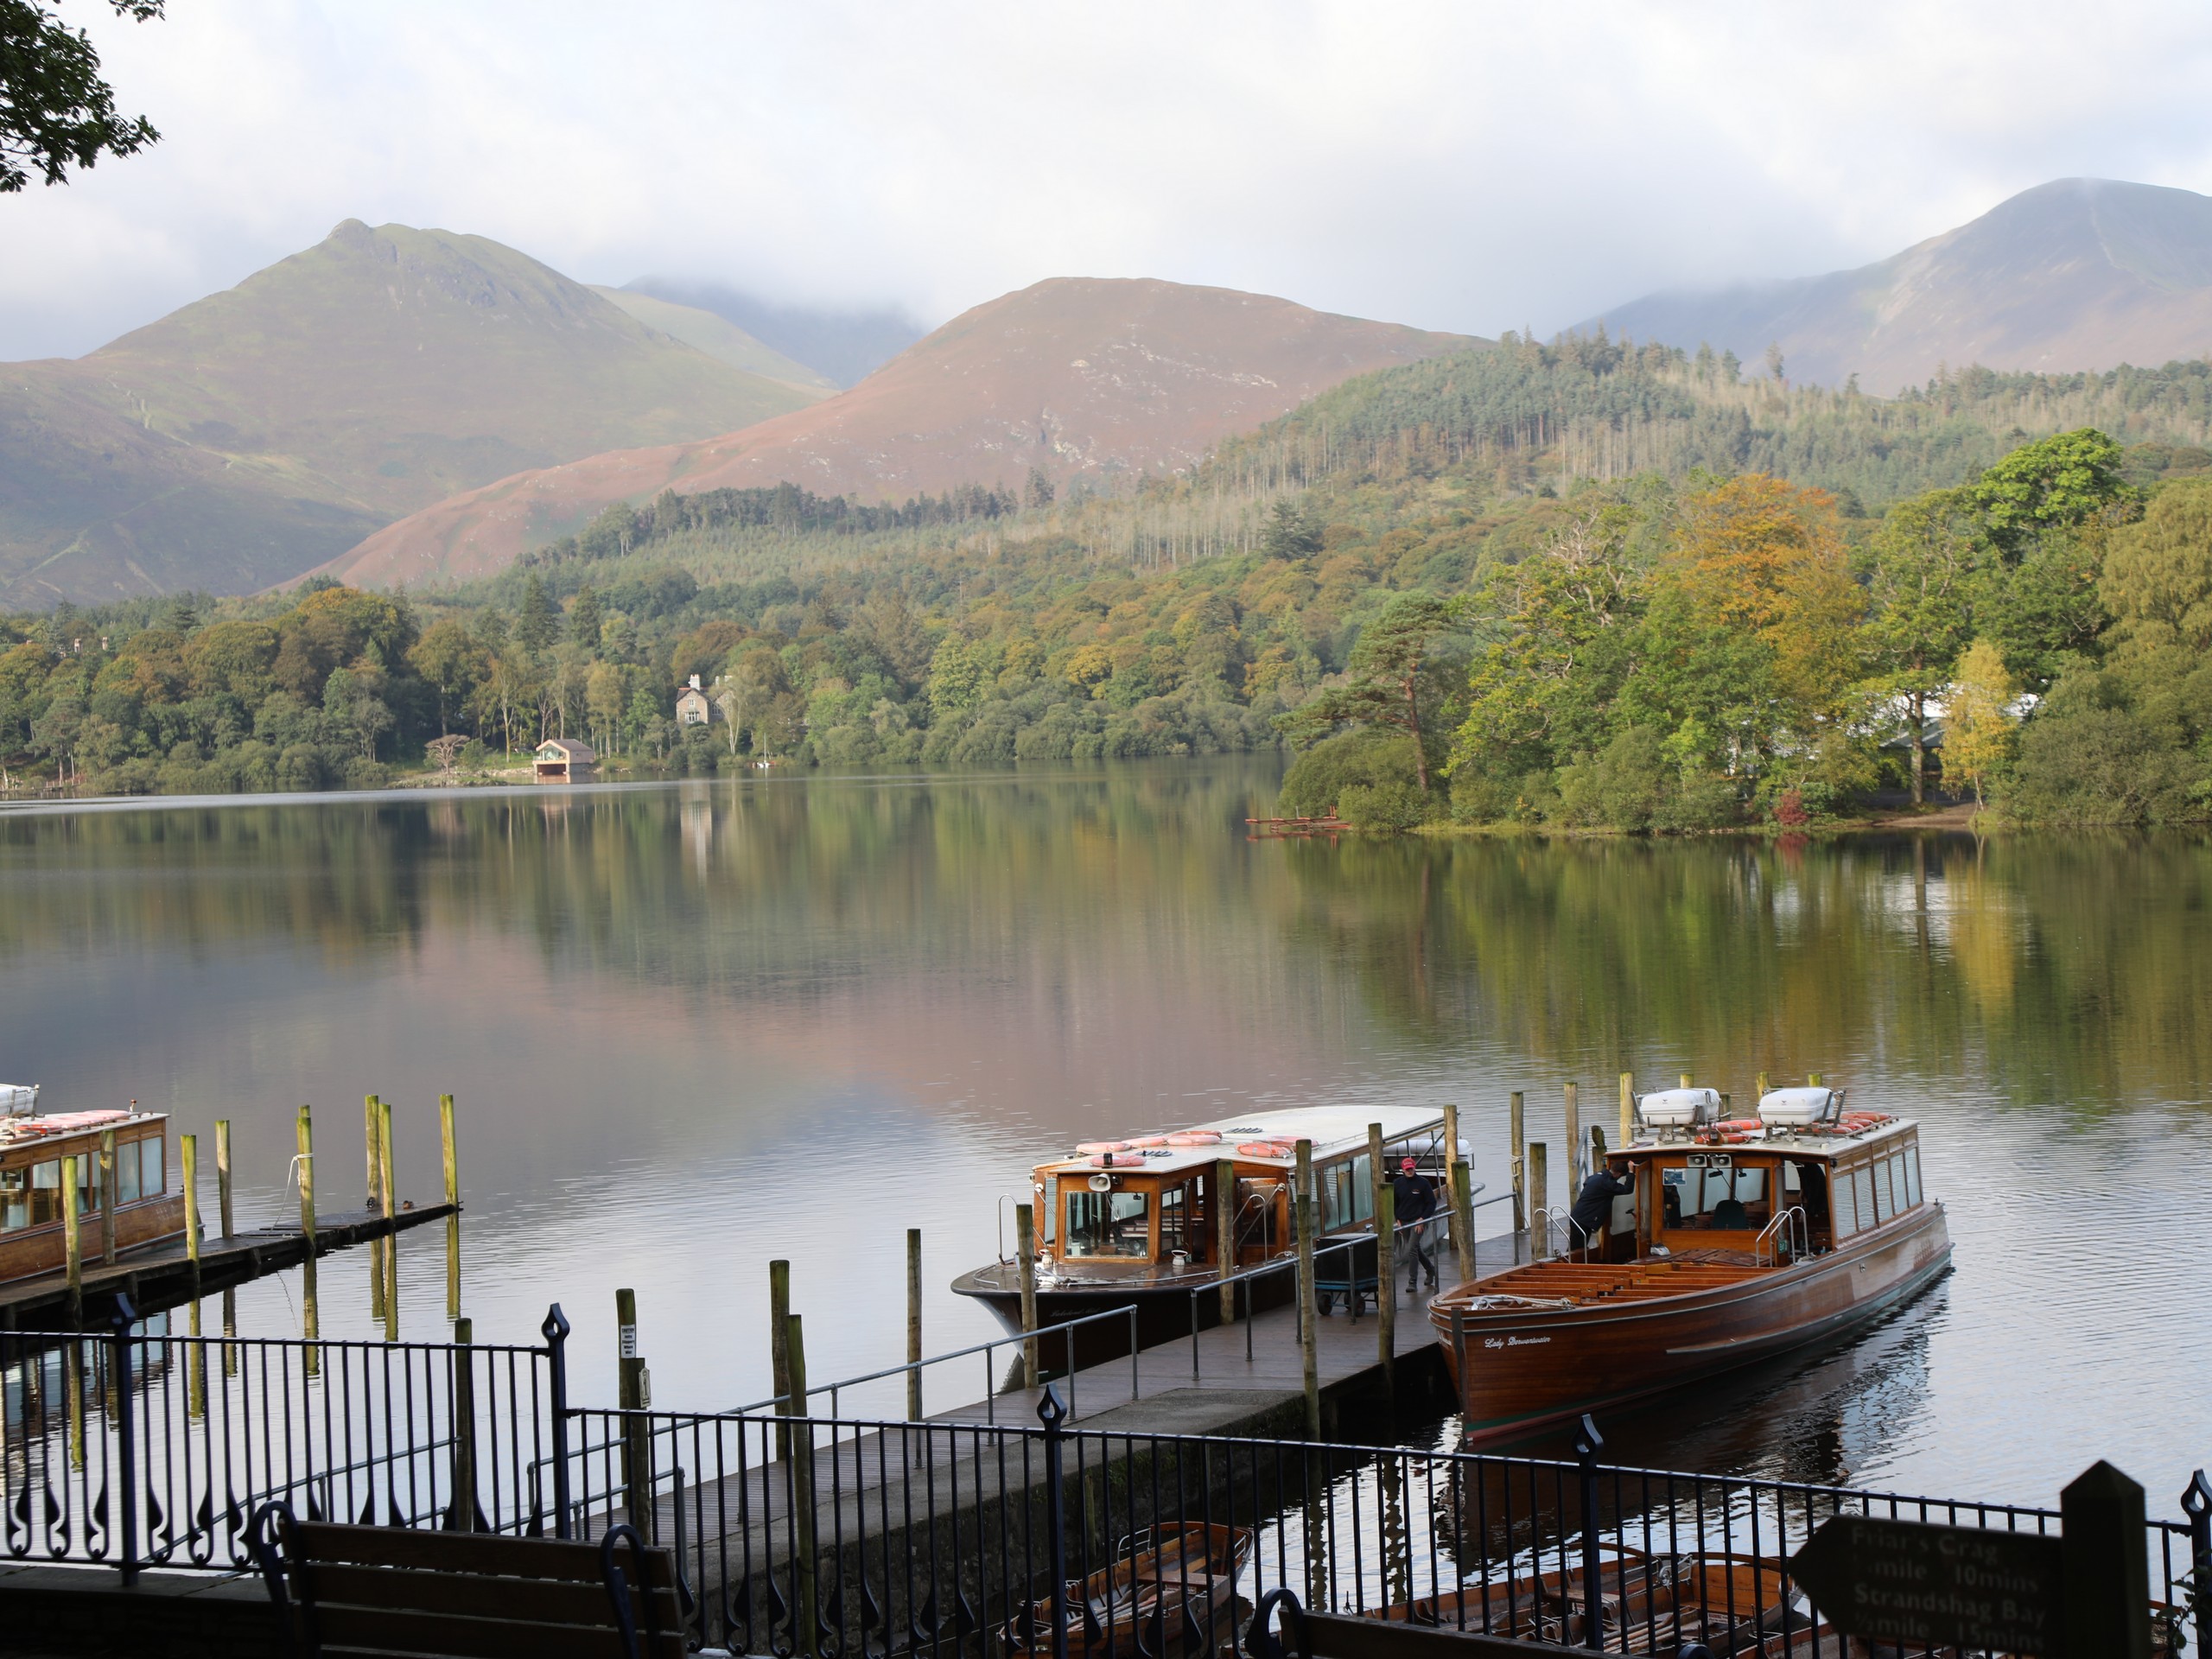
117	1162
1174	1586
1735	1604
1138	1222
1743	1238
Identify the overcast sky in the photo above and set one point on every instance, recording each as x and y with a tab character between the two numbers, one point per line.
1457	166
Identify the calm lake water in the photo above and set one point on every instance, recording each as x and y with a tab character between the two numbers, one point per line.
695	1026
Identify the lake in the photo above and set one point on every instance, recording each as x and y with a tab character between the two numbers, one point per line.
694	1027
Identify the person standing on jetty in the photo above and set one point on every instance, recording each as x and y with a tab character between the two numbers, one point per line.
1592	1213
1414	1196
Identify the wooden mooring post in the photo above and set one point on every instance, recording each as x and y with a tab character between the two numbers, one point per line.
1385	1205
631	1394
224	1214
1224	1234
1539	1227
310	1306
449	1155
108	1192
1308	1337
461	1517
73	1242
388	1260
1025	1263
779	1347
1463	1218
1574	1170
1628	1108
1516	1122
806	1617
915	1324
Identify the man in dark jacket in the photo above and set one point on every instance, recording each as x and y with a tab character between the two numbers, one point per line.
1592	1215
1413	1196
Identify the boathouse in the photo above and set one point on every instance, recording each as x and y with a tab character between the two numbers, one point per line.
692	708
565	760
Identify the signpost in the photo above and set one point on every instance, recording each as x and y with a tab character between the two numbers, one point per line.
2083	1594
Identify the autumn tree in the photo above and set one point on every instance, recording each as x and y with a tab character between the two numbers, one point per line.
1977	724
2157	579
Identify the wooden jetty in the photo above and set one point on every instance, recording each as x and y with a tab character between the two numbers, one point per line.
166	1276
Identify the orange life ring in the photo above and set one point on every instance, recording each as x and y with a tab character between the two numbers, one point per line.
1739	1126
1087	1147
1195	1138
1147	1139
1266	1149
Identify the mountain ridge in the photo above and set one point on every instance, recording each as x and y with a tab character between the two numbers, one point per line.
246	436
2075	275
1076	377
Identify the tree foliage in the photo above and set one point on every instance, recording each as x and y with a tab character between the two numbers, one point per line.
56	109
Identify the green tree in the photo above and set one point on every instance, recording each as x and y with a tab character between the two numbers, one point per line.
585	619
2055	483
1291	533
956	677
1037	493
1382	681
453	663
538	623
1923	570
56	111
2157	580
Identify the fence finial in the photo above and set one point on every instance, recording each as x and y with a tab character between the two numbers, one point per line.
1051	1410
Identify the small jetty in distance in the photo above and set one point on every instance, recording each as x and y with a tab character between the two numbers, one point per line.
88	1221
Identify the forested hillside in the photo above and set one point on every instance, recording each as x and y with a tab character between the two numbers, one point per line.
1604	584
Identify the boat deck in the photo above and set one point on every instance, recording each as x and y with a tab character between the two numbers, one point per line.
1584	1283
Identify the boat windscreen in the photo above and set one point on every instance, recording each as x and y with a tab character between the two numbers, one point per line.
1109	1224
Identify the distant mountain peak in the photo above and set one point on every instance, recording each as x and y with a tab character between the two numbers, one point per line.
2073	275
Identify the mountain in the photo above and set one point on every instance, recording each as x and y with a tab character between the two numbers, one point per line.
717	336
259	431
2077	275
1078	377
845	345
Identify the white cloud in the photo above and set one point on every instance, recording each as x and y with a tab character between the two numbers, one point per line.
1460	166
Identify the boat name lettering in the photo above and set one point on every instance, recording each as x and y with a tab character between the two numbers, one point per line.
1514	1342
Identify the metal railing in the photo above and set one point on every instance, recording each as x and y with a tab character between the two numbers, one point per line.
1792	1230
1550	1218
848	1540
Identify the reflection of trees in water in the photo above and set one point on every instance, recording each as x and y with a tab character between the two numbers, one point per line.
2053	967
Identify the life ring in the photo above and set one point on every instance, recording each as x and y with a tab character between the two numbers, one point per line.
1739	1126
1088	1147
1266	1149
1195	1138
1147	1139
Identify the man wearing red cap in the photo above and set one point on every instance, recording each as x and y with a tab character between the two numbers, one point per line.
1414	1196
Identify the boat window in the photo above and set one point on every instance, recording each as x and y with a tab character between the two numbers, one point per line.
1715	1192
1862	1183
1911	1175
1109	1224
14	1198
126	1172
1846	1208
1885	1203
1362	1189
1051	1207
1175	1211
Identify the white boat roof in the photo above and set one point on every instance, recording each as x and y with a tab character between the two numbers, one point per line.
1332	1129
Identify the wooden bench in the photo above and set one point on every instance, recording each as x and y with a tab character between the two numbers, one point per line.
401	1591
1333	1636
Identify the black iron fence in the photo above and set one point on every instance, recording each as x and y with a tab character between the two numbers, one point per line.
844	1538
852	1540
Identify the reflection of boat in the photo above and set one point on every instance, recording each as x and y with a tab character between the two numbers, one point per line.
1741	1239
1169	1588
1138	1223
1735	1604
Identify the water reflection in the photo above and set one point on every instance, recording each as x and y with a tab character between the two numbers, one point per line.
694	1028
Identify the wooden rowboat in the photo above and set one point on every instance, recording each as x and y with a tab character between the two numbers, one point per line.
1176	1585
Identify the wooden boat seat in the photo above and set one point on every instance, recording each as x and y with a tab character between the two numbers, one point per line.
1585	1282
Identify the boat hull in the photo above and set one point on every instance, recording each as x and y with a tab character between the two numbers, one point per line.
1522	1371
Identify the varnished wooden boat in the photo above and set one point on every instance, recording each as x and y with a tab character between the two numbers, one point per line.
1138	1223
1175	1585
117	1162
1743	1239
1735	1604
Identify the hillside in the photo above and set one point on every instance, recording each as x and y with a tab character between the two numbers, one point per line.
1078	378
718	337
2077	275
259	431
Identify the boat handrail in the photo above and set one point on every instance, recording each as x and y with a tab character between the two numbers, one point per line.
1549	1216
1792	1227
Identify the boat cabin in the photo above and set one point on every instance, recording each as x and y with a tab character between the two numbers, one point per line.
1803	1178
1152	1202
119	1163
